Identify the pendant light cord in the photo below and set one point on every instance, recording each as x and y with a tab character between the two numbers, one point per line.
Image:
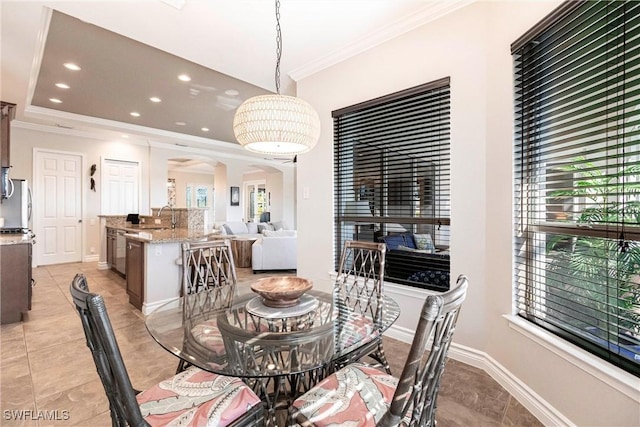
278	46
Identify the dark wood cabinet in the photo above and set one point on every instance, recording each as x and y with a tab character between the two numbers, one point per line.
15	281
135	272
8	113
111	247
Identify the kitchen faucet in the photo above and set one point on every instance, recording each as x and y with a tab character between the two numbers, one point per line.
173	215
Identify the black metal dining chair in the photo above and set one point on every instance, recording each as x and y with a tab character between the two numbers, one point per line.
207	267
359	287
358	394
193	397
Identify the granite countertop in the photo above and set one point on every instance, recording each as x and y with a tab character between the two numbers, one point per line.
15	239
164	235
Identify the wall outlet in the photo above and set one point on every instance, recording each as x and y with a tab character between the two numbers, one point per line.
157	221
92	250
158	250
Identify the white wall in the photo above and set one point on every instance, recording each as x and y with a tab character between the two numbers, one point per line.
472	46
152	158
222	193
25	138
184	178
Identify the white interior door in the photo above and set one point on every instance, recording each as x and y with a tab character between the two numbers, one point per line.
120	192
58	207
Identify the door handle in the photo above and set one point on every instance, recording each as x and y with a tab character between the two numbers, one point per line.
12	188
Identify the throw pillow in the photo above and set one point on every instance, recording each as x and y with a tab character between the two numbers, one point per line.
424	242
409	241
252	228
278	225
393	241
264	226
235	227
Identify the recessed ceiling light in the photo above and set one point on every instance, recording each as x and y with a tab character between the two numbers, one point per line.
181	123
63	85
55	100
72	66
184	78
124	136
232	92
155	99
135	114
205	129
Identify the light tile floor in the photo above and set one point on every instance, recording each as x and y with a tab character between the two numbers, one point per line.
45	366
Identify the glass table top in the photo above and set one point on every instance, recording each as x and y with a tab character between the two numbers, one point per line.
249	339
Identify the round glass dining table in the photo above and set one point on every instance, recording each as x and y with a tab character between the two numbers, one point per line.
281	351
263	341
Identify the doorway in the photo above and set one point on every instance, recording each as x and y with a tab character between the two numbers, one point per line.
121	188
57	202
256	200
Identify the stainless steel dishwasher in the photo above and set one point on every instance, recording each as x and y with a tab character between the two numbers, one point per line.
121	252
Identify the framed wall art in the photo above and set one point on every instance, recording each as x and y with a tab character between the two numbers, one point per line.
235	196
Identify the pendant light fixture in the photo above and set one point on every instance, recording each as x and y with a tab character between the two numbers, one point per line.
276	124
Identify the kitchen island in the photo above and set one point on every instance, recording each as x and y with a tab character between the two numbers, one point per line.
153	265
148	254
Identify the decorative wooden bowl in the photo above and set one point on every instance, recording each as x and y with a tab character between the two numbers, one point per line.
282	291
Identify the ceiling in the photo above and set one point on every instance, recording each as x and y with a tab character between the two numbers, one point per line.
130	51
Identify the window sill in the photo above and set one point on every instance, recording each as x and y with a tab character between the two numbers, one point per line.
622	381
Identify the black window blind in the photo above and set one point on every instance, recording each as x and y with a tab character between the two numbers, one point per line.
391	165
577	177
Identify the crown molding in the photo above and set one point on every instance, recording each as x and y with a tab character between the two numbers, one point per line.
147	142
430	12
121	127
19	124
45	21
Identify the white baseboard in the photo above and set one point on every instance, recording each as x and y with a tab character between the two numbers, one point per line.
91	258
540	408
103	265
148	308
400	333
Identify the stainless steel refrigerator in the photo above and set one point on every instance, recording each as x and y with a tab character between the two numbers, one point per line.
16	210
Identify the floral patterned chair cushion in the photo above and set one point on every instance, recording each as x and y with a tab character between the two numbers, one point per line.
355	396
358	329
196	398
208	334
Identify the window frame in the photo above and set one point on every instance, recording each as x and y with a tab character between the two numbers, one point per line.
401	141
537	162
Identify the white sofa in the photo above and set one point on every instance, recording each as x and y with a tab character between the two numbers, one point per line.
275	250
239	228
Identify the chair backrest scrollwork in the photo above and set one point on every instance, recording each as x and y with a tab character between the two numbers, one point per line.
209	265
360	280
417	391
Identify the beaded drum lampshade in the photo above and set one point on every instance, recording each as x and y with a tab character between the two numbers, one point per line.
276	124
